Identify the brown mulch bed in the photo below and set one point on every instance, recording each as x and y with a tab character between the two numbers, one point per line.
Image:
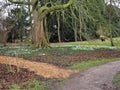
43	69
20	71
10	74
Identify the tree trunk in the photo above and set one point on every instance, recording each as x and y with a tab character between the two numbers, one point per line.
3	36
58	22
75	31
80	29
46	30
39	37
110	20
111	38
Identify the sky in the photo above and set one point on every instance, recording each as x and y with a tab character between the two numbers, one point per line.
5	11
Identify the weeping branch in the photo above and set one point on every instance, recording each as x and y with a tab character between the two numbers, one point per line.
43	11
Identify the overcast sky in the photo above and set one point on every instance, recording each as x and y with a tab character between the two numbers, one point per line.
116	4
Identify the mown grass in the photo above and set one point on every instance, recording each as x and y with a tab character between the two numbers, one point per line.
88	64
95	42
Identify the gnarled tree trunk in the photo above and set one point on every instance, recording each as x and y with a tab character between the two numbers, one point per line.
39	36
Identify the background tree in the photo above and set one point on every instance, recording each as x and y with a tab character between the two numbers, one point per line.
40	9
110	27
53	22
113	18
19	18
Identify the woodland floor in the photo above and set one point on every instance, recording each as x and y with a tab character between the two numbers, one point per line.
49	69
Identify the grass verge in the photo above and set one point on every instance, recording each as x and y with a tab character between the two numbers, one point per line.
32	85
116	81
88	64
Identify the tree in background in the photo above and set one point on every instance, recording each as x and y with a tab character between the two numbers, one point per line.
82	19
19	18
40	9
53	22
113	19
4	30
110	26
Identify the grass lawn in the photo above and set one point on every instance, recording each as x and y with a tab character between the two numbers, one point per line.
92	43
58	48
88	64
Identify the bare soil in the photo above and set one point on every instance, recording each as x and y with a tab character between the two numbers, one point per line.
10	75
13	72
66	60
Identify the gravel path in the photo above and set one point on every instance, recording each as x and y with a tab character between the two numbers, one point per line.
97	78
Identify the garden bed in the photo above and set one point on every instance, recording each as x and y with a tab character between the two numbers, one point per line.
13	75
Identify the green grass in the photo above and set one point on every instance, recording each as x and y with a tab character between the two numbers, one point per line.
116	81
58	48
15	87
33	84
88	64
27	51
92	42
36	85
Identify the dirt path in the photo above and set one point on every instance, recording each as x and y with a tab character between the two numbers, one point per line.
43	69
97	78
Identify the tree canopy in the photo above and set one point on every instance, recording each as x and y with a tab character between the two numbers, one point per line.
64	20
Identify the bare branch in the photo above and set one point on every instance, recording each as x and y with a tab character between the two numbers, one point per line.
20	2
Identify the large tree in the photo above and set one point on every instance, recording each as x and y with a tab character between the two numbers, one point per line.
19	18
40	9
